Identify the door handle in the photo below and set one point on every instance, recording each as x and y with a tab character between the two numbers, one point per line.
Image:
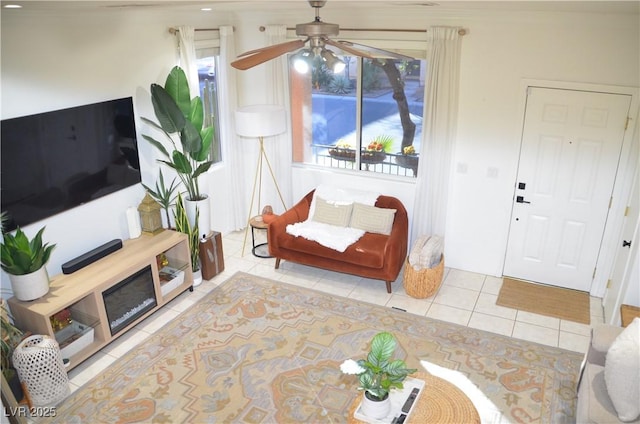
520	199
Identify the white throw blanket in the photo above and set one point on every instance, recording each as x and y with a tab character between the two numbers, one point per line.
331	236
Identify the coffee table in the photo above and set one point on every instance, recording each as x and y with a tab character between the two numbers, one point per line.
440	402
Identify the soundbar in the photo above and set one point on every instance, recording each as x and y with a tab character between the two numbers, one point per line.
91	256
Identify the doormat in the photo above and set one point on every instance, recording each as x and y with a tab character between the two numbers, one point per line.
572	305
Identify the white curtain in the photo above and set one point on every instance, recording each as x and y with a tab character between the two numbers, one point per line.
227	102
279	148
439	128
188	59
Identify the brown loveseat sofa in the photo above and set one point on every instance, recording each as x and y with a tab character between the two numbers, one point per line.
374	256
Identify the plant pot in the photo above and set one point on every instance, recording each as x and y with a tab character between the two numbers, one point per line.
30	286
408	161
204	217
375	408
197	278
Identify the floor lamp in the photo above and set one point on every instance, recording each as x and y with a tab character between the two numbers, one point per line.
260	121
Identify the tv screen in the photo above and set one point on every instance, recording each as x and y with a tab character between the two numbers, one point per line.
55	161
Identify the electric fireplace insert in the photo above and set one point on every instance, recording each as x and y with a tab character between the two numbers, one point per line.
129	299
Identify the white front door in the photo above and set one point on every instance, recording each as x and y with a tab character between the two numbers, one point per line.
571	143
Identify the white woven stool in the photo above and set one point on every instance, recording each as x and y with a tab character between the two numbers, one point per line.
40	368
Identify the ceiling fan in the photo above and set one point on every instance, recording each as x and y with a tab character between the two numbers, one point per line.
317	33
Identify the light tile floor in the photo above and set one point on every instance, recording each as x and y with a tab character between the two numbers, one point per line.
464	298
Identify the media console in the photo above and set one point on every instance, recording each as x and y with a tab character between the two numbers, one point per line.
109	296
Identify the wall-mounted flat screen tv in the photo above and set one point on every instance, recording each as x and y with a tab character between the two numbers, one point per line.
57	160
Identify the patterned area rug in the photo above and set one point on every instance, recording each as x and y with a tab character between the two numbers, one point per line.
260	351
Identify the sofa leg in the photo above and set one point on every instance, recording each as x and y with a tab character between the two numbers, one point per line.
388	286
277	263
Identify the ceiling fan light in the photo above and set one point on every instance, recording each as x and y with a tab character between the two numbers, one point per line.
302	61
332	62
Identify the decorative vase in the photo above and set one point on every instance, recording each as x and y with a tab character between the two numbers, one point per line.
204	218
30	286
197	278
375	408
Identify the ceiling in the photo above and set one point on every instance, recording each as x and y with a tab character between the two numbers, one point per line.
624	7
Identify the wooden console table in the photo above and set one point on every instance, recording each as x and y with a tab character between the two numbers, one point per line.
440	402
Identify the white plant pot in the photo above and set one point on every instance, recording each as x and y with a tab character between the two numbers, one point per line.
30	286
197	278
204	217
375	409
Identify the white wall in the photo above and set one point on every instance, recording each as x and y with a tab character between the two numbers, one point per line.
52	60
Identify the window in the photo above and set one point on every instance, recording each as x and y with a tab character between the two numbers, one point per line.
207	52
367	117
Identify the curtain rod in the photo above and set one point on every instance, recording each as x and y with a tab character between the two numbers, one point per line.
460	31
174	31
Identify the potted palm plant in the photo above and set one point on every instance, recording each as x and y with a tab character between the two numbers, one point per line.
181	120
378	375
24	260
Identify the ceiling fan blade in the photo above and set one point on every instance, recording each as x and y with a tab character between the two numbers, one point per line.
256	57
348	49
376	51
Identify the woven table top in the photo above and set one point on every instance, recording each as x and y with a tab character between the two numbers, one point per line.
440	402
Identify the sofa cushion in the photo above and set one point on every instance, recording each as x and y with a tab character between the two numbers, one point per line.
622	372
332	213
372	219
594	404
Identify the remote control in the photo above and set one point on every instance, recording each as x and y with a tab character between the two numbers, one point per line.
412	397
401	419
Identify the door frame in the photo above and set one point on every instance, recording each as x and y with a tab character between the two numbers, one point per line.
624	175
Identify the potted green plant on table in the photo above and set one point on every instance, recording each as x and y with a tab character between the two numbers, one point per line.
182	118
10	338
163	194
183	225
378	375
24	260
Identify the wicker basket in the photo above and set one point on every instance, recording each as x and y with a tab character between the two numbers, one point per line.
422	283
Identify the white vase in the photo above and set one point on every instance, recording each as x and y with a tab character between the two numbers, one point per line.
204	217
375	409
30	286
197	278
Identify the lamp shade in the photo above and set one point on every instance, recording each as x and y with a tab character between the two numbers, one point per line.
260	120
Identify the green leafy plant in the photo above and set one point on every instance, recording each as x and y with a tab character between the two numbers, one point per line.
20	256
163	195
378	374
183	226
340	85
382	143
181	117
11	337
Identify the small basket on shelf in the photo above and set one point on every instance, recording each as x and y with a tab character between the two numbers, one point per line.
422	283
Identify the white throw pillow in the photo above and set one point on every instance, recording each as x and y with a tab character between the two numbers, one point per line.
331	213
372	219
342	196
622	372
